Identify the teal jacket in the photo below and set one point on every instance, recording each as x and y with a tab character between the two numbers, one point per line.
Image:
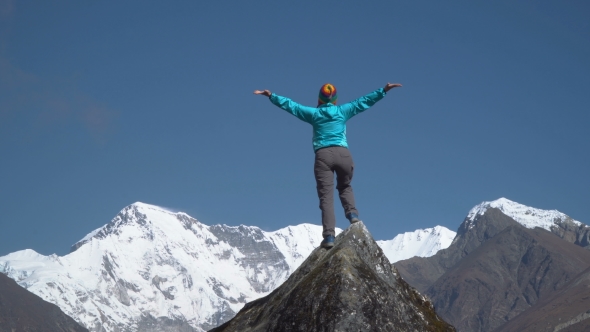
328	120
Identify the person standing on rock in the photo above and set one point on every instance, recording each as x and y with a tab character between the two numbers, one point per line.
330	147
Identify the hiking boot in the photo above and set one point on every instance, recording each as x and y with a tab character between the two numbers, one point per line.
353	217
328	242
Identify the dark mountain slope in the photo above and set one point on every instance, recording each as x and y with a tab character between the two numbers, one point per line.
21	310
505	276
422	272
351	287
566	310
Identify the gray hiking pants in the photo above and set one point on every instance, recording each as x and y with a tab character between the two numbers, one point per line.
327	161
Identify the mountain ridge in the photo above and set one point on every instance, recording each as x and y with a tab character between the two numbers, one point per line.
497	267
554	221
421	242
149	264
139	270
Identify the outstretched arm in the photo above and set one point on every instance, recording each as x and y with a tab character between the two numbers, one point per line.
363	103
304	113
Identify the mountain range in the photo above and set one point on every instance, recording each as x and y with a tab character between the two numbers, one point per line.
151	269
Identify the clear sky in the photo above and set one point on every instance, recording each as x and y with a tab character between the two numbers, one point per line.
105	103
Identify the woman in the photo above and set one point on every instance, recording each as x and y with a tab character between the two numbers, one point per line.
330	147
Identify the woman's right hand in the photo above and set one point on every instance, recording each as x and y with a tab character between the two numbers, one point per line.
262	92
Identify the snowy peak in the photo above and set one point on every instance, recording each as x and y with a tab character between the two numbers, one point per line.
527	216
421	242
151	267
141	214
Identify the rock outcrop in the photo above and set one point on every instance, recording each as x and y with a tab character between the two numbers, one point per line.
21	310
572	232
350	287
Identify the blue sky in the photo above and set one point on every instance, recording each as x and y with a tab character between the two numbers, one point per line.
103	104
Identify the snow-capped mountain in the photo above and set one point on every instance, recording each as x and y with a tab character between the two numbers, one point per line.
507	258
151	269
527	216
421	242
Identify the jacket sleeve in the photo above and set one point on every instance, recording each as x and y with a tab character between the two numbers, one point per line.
304	113
362	104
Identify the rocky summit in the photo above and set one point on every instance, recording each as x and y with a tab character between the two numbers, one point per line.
350	287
